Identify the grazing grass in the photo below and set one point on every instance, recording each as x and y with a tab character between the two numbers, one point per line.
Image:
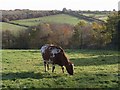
60	18
92	69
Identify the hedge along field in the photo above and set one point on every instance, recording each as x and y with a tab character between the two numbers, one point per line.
60	18
92	69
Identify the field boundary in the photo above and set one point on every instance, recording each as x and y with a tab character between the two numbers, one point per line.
17	24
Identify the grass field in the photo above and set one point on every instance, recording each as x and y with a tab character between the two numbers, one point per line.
93	69
13	28
103	17
60	18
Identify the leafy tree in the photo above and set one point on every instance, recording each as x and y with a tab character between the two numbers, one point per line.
8	40
101	36
64	10
78	34
58	34
92	35
62	34
22	40
113	26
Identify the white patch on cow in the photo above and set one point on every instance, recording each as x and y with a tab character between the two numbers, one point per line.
55	51
43	48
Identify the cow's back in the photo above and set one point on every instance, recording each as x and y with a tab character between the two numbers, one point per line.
54	53
45	52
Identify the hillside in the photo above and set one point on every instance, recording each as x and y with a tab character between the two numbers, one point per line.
25	17
60	18
18	14
14	28
71	18
6	26
20	24
97	16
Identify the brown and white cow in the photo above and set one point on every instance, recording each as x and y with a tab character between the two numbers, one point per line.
55	55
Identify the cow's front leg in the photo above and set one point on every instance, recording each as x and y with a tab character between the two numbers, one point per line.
53	67
45	65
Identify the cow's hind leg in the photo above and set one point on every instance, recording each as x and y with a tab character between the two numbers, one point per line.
53	67
62	69
45	65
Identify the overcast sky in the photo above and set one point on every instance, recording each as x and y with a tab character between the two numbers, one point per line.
59	4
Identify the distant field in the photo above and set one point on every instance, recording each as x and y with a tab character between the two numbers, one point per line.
60	18
93	69
14	28
98	16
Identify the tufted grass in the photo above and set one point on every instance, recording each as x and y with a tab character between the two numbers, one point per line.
92	69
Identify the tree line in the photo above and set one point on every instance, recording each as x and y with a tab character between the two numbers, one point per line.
8	15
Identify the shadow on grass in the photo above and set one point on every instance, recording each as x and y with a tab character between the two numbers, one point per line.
24	75
100	60
82	80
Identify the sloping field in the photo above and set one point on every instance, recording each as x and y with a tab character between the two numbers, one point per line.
92	69
60	18
103	17
14	28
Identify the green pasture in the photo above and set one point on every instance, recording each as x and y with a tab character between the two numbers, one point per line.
60	18
103	17
13	28
92	69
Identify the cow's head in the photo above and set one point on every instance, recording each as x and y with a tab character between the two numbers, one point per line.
69	68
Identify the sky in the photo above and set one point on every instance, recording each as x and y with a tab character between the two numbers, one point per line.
59	4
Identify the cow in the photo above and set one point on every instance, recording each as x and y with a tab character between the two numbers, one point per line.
55	55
